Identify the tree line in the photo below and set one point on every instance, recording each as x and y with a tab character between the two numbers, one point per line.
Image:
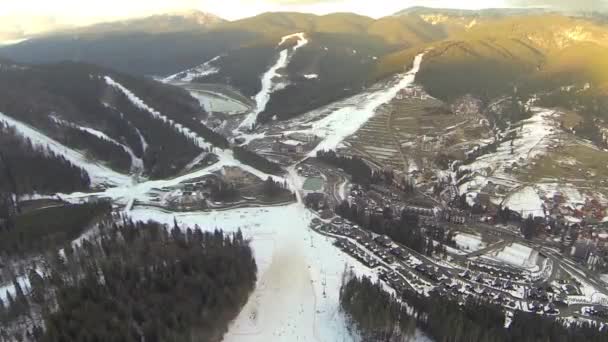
37	231
27	169
136	282
360	172
384	317
403	228
253	159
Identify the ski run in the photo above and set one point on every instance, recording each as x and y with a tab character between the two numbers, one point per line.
269	85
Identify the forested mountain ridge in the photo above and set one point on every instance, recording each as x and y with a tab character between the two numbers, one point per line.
345	52
537	52
128	124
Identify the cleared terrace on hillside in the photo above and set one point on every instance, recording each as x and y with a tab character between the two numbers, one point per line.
409	132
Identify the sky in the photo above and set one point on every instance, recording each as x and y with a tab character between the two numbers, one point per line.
82	12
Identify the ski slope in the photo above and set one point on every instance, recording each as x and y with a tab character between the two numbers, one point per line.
137	164
100	175
269	85
189	75
346	120
299	273
139	103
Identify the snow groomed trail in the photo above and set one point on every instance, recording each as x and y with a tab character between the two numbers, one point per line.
269	85
100	175
189	75
346	121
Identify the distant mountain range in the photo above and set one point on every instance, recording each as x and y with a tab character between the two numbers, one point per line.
482	52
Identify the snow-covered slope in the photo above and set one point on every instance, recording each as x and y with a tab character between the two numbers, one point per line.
299	276
137	164
344	121
99	174
268	79
141	191
189	75
139	103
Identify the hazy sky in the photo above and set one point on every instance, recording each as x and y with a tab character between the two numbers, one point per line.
85	11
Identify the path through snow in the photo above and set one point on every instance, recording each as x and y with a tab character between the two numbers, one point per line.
269	85
99	174
346	121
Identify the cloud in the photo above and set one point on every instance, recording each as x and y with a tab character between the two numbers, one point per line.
567	5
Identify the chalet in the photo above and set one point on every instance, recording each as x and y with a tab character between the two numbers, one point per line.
384	240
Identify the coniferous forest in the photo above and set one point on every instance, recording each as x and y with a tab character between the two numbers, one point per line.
379	316
27	169
135	282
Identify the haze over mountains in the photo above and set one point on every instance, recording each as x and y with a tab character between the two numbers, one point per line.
346	53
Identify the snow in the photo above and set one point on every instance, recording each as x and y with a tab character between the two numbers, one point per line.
268	84
291	142
526	202
299	273
13	41
468	242
532	140
137	164
99	174
142	191
347	120
216	102
139	103
144	143
23	281
189	75
518	255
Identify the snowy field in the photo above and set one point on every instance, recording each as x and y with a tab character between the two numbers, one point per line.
189	75
469	243
215	102
526	201
533	138
517	255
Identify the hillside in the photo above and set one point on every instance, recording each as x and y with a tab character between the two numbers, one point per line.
484	53
525	51
107	123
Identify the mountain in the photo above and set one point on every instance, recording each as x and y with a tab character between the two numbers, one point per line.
480	52
14	28
487	12
491	57
110	125
340	52
190	20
